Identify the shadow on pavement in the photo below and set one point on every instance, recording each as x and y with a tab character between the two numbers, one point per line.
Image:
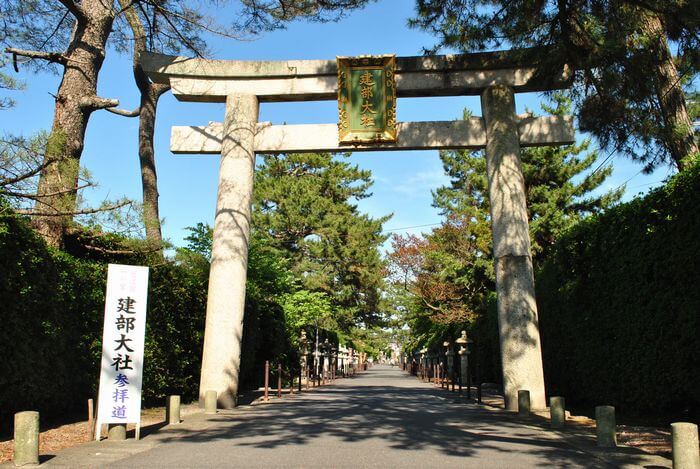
406	415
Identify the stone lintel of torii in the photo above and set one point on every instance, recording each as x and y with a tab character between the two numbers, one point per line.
242	85
202	80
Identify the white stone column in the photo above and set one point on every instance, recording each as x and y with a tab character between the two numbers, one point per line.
229	258
521	354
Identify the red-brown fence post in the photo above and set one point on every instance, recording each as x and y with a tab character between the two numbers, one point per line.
267	379
279	380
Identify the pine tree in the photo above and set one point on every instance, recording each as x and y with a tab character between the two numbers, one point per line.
557	198
451	268
73	36
303	203
627	82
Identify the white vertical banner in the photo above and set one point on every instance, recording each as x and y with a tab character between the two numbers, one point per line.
119	397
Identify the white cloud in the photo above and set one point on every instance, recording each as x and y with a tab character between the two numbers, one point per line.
421	183
380	179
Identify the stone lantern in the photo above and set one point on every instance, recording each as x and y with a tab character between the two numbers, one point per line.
464	352
450	354
303	351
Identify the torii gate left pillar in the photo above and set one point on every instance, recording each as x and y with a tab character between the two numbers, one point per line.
223	333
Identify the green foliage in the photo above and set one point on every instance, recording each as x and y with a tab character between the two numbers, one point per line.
694	105
200	240
266	15
618	49
53	305
694	111
20	162
264	333
303	207
304	310
370	340
619	300
268	282
558	185
22	159
53	301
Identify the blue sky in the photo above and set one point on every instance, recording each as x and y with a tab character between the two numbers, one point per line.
187	184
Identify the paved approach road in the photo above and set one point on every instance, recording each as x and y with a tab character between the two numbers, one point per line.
380	418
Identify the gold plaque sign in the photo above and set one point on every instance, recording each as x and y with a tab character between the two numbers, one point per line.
366	99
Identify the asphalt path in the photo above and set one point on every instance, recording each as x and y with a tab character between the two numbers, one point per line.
381	418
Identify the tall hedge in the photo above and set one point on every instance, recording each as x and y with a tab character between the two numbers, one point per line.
619	305
47	340
174	333
52	309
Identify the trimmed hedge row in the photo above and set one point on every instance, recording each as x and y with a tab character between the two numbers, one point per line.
48	305
52	309
619	305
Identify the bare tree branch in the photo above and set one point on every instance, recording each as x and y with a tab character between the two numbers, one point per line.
124	6
434	308
219	32
161	89
29	174
75	212
95	102
184	40
118	252
53	57
124	112
38	197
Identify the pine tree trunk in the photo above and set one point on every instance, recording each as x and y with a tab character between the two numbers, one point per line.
75	101
149	179
150	93
678	125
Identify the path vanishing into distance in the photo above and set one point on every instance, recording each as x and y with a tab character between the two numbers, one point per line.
380	418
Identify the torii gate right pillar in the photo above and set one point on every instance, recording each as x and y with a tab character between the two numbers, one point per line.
521	353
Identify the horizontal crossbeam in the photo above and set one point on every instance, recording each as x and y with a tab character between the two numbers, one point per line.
306	80
323	88
461	134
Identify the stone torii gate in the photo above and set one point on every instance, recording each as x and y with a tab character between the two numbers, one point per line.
242	85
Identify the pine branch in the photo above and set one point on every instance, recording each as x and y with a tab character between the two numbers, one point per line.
95	102
52	57
38	197
176	30
119	252
650	7
29	174
124	112
219	32
74	212
75	9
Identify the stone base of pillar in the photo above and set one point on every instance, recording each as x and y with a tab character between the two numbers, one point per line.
519	335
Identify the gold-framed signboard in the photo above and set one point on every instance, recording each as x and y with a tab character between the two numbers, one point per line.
366	99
